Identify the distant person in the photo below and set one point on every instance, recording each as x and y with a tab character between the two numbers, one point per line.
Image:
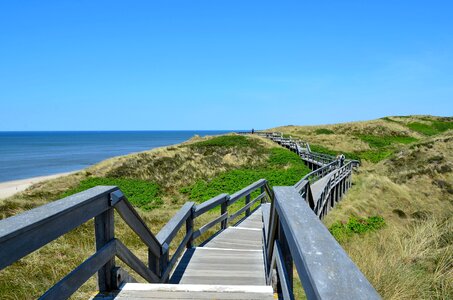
253	131
342	158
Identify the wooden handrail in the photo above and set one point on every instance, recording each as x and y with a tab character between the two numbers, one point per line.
29	231
324	269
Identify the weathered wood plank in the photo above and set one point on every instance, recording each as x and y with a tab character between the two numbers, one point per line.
207	226
135	263
170	229
136	223
29	231
247	190
195	291
323	266
246	207
266	211
233	267
208	205
237	238
71	282
176	255
105	232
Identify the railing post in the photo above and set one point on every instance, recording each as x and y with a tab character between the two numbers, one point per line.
247	201
287	258
189	228
262	189
223	210
163	261
104	231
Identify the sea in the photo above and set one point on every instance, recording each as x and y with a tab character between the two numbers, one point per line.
31	154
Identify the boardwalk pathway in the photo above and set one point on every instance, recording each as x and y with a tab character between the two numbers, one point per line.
232	262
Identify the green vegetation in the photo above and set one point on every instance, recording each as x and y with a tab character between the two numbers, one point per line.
390	120
282	168
226	141
324	131
374	156
422	128
325	150
355	225
142	194
385	141
434	128
383	147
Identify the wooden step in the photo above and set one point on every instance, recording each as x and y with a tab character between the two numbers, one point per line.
194	291
218	266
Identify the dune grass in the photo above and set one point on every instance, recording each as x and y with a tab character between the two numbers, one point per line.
142	194
355	225
407	183
324	131
152	182
282	168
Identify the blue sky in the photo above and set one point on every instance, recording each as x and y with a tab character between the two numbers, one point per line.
108	65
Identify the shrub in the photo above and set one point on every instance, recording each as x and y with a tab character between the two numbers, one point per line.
142	194
385	141
226	141
282	168
374	156
324	131
355	225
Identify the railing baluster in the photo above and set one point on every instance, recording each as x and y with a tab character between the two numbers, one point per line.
104	231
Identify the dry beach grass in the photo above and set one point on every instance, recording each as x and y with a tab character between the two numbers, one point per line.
408	181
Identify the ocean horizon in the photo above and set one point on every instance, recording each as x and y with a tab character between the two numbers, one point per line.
26	154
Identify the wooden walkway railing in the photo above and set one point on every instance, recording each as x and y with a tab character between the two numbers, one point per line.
293	234
29	231
296	237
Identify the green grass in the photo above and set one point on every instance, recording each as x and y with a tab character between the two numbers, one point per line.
390	120
325	150
355	225
142	194
385	141
226	141
283	168
324	131
374	156
434	128
422	128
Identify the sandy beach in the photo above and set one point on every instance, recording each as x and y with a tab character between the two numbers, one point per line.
9	188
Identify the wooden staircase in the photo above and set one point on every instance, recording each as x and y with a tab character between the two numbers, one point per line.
230	265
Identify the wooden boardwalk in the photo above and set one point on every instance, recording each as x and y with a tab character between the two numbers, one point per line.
228	266
233	257
318	187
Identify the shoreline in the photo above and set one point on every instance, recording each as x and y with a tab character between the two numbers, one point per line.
9	188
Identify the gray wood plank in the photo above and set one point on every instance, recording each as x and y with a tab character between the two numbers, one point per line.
190	291
233	257
238	238
136	223
28	231
71	282
221	266
168	232
318	187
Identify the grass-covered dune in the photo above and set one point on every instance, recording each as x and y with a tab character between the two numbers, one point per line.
396	222
157	183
